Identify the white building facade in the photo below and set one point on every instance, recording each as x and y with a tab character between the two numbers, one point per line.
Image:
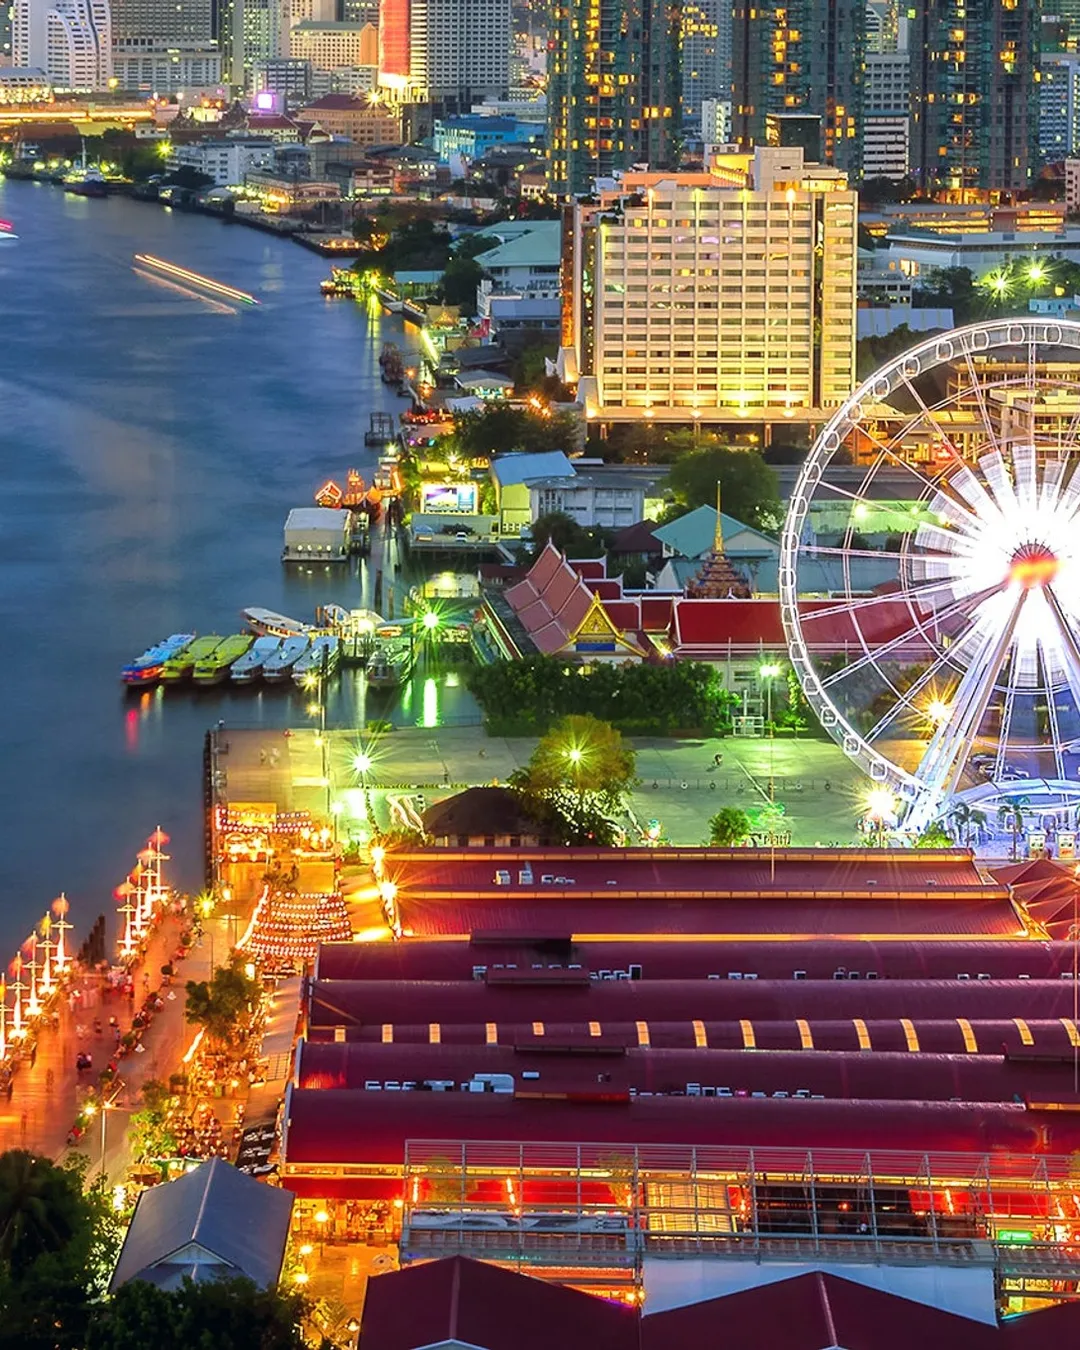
70	40
168	72
227	162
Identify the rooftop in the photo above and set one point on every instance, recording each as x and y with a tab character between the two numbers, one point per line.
217	1208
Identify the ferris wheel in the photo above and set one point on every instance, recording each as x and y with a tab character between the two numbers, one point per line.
930	589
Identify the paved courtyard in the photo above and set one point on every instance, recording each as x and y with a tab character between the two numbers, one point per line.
818	789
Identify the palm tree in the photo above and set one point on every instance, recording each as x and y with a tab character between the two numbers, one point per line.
39	1207
1011	815
964	820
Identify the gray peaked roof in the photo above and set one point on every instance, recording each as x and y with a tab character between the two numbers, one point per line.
241	1221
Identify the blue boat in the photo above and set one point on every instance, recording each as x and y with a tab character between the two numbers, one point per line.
145	669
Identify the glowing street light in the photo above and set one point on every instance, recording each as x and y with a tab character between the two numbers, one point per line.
937	710
575	755
430	620
1036	273
768	672
880	810
362	762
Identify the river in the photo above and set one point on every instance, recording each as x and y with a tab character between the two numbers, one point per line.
151	445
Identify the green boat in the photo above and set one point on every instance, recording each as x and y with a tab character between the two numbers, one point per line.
214	667
180	666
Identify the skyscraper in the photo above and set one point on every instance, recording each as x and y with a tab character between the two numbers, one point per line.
706	55
613	89
446	53
974	98
802	56
70	40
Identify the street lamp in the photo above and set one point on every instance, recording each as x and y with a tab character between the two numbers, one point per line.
768	672
880	808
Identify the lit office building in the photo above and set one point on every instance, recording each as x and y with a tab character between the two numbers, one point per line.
974	98
690	295
706	56
611	103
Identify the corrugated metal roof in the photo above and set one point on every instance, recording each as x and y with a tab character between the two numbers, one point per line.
419	959
404	1002
339	1126
241	1221
442	915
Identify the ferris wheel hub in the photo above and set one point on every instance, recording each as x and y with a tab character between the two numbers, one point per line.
1034	565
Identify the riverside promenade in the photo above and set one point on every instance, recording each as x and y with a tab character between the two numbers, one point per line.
47	1091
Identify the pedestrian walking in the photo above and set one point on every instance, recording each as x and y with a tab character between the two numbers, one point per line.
33	1054
9	1088
23	1122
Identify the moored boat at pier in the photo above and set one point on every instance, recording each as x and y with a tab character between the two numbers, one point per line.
146	669
321	658
214	667
280	665
180	666
250	666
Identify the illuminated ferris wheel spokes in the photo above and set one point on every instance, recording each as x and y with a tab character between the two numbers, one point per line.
964	635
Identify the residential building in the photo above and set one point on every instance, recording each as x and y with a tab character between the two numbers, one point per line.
470	137
974	99
887	83
612	103
359	81
715	123
69	40
886	145
526	264
363	122
687	296
227	162
167	72
1059	106
330	46
706	56
1072	184
446	53
800	56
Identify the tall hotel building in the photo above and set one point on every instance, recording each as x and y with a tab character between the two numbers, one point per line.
713	296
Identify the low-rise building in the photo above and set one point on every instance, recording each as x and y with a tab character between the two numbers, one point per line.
22	85
228	162
284	195
363	122
602	499
470	137
316	534
511	476
286	77
528	263
916	252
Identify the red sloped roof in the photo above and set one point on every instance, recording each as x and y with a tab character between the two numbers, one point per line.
606	590
734	920
706	623
656	612
419	959
343	1126
815	1312
361	1002
590	569
473	1303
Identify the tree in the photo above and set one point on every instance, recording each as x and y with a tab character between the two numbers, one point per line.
58	1245
580	770
1011	815
570	538
500	429
222	1003
934	836
149	1133
965	819
729	827
748	487
224	1314
459	283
